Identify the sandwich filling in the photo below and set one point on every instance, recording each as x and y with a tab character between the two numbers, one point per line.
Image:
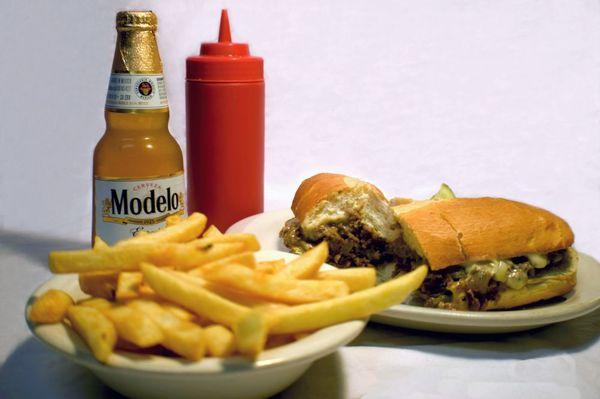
471	286
360	228
351	244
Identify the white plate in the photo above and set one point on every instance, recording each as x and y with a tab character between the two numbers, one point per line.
584	299
148	376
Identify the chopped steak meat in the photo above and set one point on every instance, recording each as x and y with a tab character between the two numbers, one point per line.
469	288
350	245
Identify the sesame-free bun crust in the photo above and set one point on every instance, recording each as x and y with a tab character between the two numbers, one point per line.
322	187
454	231
546	286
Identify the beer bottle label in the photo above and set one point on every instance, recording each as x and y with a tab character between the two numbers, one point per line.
123	208
128	91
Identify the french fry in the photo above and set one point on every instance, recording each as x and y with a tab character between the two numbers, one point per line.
357	278
146	292
50	307
182	337
172	220
192	296
95	329
100	304
128	257
99	284
307	264
128	285
186	257
275	287
99	243
220	342
183	231
249	240
212	231
227	293
134	326
115	259
178	311
244	258
270	266
250	333
358	305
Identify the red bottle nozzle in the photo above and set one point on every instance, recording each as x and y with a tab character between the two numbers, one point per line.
224	30
225	61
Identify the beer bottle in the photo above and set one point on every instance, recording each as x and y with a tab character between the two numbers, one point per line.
138	165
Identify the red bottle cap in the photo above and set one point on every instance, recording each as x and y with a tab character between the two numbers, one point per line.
224	61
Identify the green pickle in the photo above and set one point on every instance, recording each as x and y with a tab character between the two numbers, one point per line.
445	192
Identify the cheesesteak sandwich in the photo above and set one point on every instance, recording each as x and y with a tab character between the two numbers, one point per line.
483	253
355	219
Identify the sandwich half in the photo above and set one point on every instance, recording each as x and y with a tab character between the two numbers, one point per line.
488	253
356	220
483	253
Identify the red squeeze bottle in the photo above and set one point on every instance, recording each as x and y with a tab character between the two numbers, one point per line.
225	105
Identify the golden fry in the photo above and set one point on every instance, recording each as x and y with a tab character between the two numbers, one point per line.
128	285
50	307
183	231
182	337
275	287
131	325
172	220
95	329
308	264
185	257
232	295
220	342
270	266
192	296
338	310
245	258
357	278
100	304
128	257
250	333
134	326
99	284
249	240
178	311
99	243
212	231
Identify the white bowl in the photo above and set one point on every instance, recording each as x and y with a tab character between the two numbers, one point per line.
149	376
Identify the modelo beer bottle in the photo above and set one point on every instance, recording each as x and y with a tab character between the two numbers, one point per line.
138	165
225	93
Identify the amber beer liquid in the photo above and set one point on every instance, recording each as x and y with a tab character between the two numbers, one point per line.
138	165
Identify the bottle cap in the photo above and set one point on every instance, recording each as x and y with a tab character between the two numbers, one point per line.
136	20
224	61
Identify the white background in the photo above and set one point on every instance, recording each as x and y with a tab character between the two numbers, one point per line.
493	97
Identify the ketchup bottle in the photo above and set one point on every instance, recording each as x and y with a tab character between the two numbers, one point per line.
225	97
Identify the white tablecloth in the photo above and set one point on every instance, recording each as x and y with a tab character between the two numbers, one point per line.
556	362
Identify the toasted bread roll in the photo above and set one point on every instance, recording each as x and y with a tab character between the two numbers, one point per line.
454	231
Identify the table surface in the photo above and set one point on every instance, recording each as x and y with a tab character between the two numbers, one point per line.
558	361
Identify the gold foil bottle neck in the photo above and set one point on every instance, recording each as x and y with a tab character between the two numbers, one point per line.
136	20
136	50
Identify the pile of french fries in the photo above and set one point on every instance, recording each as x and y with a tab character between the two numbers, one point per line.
192	292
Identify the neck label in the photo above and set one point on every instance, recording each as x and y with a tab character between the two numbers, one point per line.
136	91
